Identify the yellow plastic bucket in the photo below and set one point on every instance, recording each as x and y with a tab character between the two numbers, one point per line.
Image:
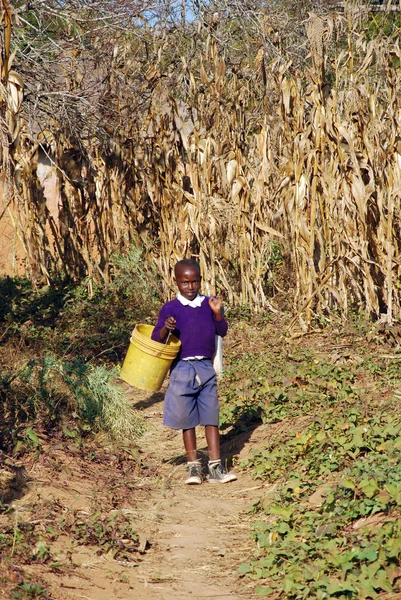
147	362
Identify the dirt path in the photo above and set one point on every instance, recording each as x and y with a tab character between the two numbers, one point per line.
198	534
193	538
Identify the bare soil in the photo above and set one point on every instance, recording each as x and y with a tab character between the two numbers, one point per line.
192	539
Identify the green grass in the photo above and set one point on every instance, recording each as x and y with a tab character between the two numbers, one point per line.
78	398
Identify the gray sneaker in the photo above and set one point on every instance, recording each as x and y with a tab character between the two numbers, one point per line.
194	473
218	474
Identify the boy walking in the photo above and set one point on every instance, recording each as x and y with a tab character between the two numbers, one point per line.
191	397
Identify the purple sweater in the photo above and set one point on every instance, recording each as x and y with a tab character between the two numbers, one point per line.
196	328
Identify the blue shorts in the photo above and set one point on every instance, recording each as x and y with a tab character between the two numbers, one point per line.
191	397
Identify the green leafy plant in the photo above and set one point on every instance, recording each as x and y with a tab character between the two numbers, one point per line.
281	387
63	319
25	591
333	527
113	532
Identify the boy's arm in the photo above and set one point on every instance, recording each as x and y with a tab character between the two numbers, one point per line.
221	327
220	323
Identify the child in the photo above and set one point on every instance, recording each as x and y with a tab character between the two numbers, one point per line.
191	397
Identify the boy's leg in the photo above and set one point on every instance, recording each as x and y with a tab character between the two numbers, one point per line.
217	473
213	441
208	407
189	437
194	465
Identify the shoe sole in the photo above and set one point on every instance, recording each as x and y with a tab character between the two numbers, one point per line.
193	481
227	479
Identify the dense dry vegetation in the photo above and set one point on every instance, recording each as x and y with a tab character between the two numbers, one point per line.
244	135
265	141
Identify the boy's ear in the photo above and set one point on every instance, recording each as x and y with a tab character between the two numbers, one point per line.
174	279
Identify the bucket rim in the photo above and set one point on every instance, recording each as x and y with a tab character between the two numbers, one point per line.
172	341
166	353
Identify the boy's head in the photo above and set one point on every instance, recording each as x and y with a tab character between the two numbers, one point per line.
187	278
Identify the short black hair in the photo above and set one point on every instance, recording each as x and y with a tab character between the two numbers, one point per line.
186	262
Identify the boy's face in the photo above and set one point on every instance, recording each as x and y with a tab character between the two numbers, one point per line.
188	281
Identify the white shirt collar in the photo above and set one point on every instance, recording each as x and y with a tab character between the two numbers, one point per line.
195	303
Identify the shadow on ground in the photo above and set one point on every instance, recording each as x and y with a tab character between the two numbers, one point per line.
148	402
233	442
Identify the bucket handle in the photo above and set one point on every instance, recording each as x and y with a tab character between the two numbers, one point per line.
164	343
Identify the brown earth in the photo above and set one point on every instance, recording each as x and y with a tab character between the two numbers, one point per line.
192	539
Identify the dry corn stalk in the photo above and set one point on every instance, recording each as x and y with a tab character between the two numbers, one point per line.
306	161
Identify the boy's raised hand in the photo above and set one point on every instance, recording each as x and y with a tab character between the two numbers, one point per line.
216	304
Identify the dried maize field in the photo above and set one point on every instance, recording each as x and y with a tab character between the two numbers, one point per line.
281	175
